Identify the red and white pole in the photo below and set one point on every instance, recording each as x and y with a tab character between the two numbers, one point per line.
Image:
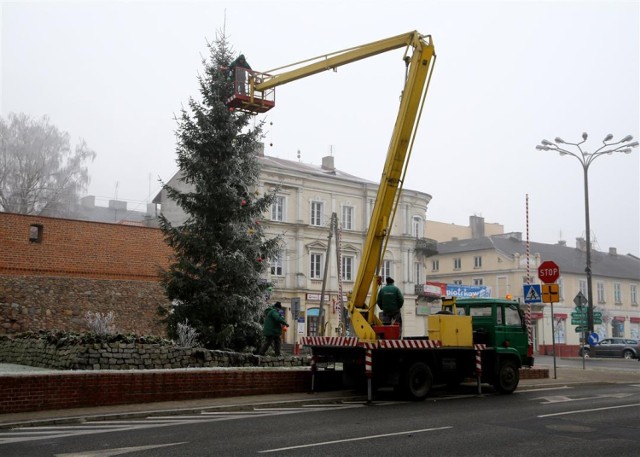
368	370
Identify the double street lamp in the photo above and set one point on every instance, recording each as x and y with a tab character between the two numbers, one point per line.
586	159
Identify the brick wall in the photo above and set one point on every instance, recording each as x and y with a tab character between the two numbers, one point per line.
35	392
80	249
79	266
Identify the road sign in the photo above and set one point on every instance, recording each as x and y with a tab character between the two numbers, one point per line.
550	293
580	300
579	321
548	272
593	339
578	315
532	293
581	329
597	314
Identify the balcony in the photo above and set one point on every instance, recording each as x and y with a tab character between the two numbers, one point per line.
426	247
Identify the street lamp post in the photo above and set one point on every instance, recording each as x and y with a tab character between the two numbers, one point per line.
586	159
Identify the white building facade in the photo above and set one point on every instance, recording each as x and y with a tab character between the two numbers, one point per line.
307	198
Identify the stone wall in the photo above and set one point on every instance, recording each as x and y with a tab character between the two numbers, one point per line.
129	356
34	303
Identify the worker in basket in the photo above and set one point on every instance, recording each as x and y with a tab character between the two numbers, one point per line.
390	301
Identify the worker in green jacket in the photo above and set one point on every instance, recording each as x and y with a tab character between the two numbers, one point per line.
272	329
390	301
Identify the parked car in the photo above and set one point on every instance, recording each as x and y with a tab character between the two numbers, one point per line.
614	347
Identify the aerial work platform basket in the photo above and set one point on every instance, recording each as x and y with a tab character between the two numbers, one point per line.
245	97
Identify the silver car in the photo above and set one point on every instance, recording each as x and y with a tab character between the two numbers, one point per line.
613	347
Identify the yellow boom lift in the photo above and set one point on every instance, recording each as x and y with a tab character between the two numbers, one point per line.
419	58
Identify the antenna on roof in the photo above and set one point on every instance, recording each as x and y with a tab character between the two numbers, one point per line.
298	155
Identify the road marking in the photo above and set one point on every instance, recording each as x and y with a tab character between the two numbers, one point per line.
360	438
533	390
22	434
118	451
589	410
562	398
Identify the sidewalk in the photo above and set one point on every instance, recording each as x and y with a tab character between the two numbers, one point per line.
565	375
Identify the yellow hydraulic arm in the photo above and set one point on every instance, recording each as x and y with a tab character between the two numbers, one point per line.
419	58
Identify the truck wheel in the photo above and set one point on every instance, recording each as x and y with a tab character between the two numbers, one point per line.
417	381
508	377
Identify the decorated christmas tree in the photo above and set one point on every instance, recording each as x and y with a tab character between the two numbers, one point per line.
221	249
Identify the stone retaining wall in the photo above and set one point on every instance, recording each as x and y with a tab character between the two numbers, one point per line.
129	356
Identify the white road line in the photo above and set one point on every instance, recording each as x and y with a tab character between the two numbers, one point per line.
533	389
117	451
360	438
588	410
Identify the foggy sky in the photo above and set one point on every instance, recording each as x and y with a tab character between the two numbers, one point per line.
508	74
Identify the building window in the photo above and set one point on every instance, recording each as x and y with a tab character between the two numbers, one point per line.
347	268
316	213
477	262
457	263
457	282
617	328
435	265
347	217
277	209
582	285
418	272
617	293
276	264
478	281
35	233
315	268
600	288
416	225
633	289
386	269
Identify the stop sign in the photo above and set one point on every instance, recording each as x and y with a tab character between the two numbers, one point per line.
548	272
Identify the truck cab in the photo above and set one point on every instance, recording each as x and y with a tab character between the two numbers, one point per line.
499	324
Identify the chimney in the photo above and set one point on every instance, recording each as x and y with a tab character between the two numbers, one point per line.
477	226
581	244
562	243
88	202
259	150
613	251
327	163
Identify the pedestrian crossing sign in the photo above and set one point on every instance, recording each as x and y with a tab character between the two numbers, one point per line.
532	293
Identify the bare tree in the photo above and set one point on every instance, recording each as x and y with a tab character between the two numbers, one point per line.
39	171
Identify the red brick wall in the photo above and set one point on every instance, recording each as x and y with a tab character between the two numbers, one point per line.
79	266
81	249
85	389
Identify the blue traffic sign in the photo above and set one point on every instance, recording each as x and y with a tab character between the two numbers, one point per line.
532	293
593	339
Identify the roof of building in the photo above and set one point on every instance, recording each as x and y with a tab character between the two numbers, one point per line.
309	169
569	259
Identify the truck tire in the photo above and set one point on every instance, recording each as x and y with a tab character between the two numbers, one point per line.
416	381
507	378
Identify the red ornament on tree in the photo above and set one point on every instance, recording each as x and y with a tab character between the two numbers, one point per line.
244	202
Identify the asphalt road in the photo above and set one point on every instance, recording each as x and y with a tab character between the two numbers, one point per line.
586	420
